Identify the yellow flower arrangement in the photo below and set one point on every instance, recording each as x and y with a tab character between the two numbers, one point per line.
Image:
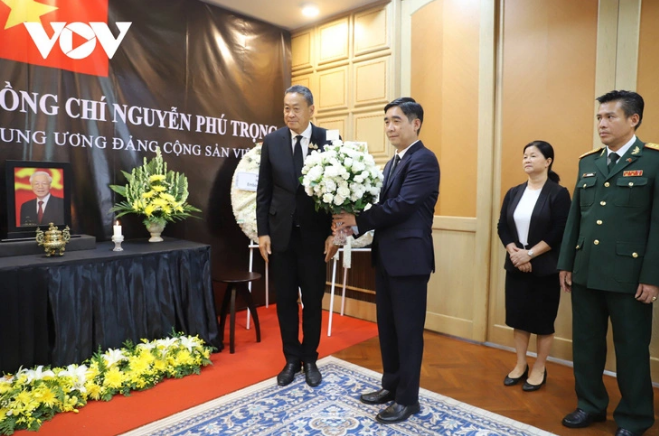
154	192
30	397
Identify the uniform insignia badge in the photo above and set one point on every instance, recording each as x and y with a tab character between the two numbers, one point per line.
652	146
635	173
629	159
584	175
597	150
637	150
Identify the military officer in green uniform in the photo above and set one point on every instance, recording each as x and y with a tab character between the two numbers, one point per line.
608	261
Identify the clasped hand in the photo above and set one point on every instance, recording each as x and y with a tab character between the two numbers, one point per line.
519	258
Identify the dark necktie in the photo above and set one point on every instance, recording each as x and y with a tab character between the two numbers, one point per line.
613	158
40	212
298	160
392	169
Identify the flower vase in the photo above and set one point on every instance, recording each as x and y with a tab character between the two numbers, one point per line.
155	229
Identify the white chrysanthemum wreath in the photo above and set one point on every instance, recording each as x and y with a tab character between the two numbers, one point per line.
243	201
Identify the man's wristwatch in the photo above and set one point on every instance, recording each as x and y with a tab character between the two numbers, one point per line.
530	253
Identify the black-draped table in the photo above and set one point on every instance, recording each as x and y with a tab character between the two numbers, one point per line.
60	310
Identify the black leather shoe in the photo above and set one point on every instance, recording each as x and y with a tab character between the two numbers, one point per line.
287	375
312	375
580	418
509	381
625	432
397	413
378	397
528	387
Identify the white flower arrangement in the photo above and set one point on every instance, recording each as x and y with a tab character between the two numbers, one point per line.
342	177
243	201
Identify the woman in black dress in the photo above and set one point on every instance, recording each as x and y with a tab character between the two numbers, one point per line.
531	224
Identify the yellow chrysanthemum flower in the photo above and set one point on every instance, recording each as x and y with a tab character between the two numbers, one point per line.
157	178
93	371
24	397
168	197
148	211
148	194
113	378
138	366
93	390
46	396
160	365
159	188
184	358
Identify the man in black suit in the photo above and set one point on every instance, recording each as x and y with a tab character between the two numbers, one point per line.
44	209
403	256
294	239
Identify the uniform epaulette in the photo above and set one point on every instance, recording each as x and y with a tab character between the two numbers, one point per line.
597	150
652	146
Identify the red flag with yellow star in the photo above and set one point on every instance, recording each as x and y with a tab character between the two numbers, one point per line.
60	34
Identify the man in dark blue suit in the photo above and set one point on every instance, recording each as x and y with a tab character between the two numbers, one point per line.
294	238
403	256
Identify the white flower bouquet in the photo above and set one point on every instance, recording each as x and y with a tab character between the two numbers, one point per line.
342	177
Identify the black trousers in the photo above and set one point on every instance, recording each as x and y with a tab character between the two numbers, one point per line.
401	311
301	266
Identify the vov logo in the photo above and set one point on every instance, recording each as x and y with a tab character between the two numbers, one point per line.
91	33
72	35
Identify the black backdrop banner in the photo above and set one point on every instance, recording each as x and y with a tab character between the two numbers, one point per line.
101	83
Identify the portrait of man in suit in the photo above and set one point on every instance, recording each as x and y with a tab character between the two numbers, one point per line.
45	208
294	239
403	256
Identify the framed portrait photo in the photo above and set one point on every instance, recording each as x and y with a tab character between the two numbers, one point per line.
38	193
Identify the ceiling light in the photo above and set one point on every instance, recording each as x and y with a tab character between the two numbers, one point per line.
310	10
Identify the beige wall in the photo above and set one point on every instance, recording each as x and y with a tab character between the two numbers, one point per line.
445	57
447	44
648	87
347	63
492	75
648	70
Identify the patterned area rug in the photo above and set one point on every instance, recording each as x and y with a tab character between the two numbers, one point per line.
332	409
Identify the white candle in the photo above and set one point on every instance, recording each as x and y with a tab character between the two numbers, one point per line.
117	229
